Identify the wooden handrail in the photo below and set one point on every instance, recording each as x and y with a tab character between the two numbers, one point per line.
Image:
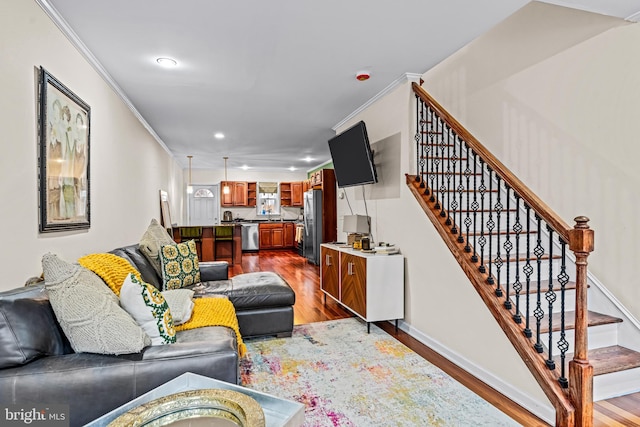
541	208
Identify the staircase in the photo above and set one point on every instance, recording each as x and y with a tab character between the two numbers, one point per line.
518	255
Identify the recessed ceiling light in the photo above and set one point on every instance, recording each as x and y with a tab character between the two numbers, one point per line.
218	135
307	159
245	167
167	62
293	169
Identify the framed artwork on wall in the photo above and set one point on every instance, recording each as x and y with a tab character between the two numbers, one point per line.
63	157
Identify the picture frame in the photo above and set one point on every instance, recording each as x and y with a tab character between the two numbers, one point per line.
64	123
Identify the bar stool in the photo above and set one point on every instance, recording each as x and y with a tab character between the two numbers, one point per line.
192	233
224	233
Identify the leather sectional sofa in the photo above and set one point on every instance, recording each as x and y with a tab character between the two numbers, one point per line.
39	367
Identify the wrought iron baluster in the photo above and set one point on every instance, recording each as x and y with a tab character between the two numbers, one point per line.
443	174
550	296
563	344
419	138
528	271
491	225
499	262
538	312
467	220
517	286
482	240
451	177
458	143
508	246
431	150
475	206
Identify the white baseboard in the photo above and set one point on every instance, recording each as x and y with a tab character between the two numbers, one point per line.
543	410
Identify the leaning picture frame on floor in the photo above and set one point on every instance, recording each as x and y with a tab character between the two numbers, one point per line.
64	121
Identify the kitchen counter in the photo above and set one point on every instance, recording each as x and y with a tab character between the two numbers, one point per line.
206	243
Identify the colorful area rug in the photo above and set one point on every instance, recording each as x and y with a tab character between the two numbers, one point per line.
346	377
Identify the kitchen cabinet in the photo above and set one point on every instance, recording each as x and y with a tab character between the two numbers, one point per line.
276	235
238	195
289	232
252	193
369	285
291	194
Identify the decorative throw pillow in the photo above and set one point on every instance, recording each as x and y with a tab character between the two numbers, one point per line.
180	303
111	268
28	330
88	312
149	309
180	265
152	240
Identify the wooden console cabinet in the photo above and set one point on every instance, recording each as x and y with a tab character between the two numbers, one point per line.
369	285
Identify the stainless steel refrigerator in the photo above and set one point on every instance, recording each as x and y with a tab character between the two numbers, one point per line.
312	225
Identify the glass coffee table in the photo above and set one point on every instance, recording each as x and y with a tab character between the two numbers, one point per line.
277	412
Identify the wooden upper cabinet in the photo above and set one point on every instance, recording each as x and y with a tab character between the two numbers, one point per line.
285	194
291	194
226	199
240	193
252	193
296	194
237	196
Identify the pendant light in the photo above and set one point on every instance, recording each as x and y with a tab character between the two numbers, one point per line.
225	189
189	187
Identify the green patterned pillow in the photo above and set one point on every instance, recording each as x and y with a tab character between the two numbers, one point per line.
149	309
180	265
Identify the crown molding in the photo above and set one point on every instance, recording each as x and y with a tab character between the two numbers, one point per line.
633	18
406	77
59	21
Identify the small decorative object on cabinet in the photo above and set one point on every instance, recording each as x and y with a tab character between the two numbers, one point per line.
369	285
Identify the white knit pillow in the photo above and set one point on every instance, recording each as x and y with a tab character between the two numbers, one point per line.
152	240
88	311
149	309
180	303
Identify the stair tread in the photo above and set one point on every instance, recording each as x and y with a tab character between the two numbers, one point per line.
544	287
593	318
606	360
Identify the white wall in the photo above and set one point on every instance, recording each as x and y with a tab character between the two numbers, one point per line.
555	94
128	167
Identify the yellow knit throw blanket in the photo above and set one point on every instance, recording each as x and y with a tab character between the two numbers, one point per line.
111	268
215	311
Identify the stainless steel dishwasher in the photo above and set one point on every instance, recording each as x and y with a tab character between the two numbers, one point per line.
250	240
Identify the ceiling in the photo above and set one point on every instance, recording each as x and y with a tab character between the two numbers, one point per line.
277	76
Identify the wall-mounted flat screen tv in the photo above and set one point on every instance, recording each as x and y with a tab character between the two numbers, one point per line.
352	157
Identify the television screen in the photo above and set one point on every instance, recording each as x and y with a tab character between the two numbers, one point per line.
352	157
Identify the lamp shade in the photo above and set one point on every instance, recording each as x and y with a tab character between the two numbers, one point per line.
355	224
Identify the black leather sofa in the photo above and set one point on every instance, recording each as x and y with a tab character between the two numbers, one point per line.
39	366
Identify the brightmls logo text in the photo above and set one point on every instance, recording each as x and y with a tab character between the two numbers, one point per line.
35	415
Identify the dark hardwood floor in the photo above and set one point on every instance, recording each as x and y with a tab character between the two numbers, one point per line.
311	307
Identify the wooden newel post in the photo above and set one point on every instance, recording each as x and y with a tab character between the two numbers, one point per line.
580	371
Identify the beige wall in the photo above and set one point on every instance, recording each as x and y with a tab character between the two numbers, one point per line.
554	93
128	166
